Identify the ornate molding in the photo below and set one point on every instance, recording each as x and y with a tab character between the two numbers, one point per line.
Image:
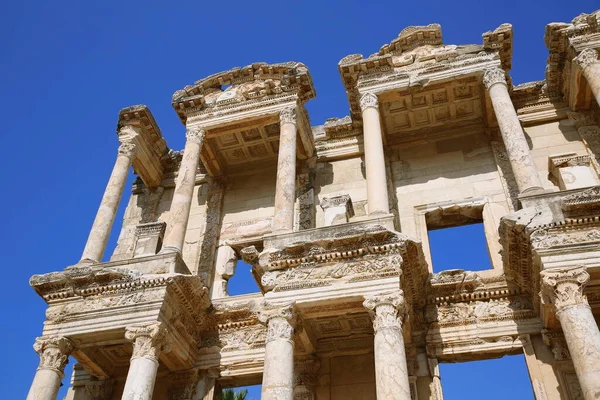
149	340
288	116
563	287
368	100
586	57
195	135
128	148
492	76
280	321
386	310
557	343
54	352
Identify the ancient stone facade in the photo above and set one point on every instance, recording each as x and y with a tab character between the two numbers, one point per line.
334	221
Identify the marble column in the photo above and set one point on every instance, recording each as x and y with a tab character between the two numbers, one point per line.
521	161
306	378
391	372
590	67
377	192
278	374
54	355
285	187
184	191
105	216
149	341
563	288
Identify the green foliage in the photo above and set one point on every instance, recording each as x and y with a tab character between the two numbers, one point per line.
231	394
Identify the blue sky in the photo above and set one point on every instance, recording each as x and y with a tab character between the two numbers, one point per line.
69	66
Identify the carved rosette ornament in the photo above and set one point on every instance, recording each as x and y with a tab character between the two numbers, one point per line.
492	76
368	100
280	321
563	287
148	340
586	57
54	353
195	135
128	148
288	116
386	310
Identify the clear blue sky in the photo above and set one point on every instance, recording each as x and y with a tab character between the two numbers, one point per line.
69	66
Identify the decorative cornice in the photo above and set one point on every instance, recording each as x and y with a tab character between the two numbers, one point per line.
54	353
149	340
586	57
387	310
368	100
195	135
288	116
492	76
563	287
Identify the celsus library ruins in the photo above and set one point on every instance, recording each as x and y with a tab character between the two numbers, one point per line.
334	221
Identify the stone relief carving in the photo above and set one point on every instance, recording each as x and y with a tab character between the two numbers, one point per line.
368	100
586	57
556	341
492	76
280	321
195	135
386	310
212	229
506	175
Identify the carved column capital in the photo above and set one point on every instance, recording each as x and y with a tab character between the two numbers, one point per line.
149	340
288	116
387	310
280	321
128	148
586	57
563	287
195	135
368	100
54	352
492	76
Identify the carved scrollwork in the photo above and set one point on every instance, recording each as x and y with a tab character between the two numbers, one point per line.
195	135
492	76
54	352
386	310
563	287
148	340
586	57
368	100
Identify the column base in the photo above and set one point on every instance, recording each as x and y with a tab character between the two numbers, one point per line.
83	263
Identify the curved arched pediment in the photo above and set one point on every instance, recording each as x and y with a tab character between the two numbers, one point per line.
252	82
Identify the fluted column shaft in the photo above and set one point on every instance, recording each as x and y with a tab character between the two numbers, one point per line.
148	343
54	355
391	372
285	187
522	164
377	192
184	191
590	67
105	217
563	288
278	374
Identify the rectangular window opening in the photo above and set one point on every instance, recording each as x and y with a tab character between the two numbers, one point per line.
457	239
477	380
243	280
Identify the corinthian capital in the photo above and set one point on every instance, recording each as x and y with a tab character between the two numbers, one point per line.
563	287
128	148
368	100
149	340
387	310
288	116
586	57
54	352
492	76
195	135
280	321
